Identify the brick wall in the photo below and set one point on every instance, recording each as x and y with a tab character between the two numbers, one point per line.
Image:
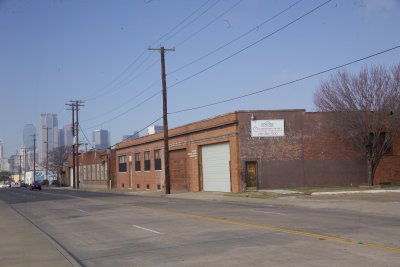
388	171
328	159
189	138
103	171
279	159
308	155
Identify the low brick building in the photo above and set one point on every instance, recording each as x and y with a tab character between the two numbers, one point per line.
96	169
248	150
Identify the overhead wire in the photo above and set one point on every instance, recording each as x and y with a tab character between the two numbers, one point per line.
153	84
192	21
286	83
236	39
80	128
250	45
213	65
116	87
117	77
124	103
144	128
106	87
180	23
125	112
208	24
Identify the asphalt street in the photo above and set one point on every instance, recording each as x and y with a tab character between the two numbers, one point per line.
103	229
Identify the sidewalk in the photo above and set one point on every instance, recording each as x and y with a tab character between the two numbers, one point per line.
22	244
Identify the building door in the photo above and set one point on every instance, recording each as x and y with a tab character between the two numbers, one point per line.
130	175
251	175
177	170
216	167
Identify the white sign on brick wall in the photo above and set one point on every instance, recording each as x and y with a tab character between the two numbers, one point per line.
267	128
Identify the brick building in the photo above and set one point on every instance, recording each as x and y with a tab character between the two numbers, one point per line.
249	150
96	169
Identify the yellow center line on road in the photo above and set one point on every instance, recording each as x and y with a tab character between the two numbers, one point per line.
376	246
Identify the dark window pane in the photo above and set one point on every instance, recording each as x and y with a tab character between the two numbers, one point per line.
122	167
137	166
157	164
147	165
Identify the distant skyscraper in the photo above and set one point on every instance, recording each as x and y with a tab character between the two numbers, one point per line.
68	135
27	133
101	139
1	149
153	129
48	120
133	136
61	138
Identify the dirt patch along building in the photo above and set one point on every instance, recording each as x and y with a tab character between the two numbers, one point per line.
247	150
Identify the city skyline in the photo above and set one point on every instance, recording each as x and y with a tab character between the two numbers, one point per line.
48	134
101	139
223	50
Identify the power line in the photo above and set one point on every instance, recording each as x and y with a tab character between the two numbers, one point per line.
152	85
208	24
251	45
286	83
286	9
124	103
256	28
104	88
119	85
180	23
80	128
125	112
196	18
119	76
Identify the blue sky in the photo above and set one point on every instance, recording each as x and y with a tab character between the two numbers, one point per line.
53	51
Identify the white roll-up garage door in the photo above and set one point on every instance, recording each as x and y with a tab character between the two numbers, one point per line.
216	171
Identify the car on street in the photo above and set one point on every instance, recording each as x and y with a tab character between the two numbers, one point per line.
16	185
36	185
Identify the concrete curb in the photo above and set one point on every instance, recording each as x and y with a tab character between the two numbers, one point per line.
357	192
67	255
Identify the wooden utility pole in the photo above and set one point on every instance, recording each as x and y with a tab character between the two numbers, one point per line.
25	164
34	157
47	151
72	105
78	104
165	118
20	168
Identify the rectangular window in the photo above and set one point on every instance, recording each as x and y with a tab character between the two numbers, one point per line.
122	163
137	161
147	161
84	172
93	172
98	172
385	143
106	171
157	159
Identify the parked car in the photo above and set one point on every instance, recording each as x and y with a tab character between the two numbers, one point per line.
16	185
36	185
23	184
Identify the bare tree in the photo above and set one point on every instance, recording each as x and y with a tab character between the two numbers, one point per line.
58	159
367	110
